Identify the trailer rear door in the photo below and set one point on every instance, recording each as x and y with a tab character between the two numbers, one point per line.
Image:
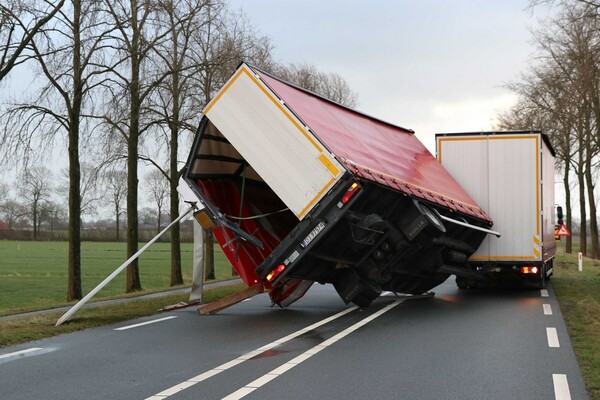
502	173
290	159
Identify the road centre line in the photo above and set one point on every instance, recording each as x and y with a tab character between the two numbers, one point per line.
252	386
561	387
21	353
124	328
230	364
544	293
547	309
552	337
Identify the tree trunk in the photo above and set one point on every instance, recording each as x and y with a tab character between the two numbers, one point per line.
133	273
74	291
592	205
176	275
118	222
158	220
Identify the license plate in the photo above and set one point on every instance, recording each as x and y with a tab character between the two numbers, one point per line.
313	234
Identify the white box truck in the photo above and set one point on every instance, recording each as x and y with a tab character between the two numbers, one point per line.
511	176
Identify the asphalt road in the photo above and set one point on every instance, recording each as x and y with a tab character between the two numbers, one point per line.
456	345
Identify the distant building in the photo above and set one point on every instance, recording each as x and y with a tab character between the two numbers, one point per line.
3	225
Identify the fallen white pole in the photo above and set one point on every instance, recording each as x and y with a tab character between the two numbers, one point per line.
116	272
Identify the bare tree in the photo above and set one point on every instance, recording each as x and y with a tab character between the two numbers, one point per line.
20	21
223	41
563	90
176	103
68	56
158	189
12	211
204	45
34	186
115	182
134	79
50	213
329	85
89	194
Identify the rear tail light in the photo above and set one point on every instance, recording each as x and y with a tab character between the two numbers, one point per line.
529	270
350	193
275	273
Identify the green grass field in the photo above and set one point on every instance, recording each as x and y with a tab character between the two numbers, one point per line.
33	275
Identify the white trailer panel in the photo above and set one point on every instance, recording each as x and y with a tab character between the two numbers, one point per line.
503	173
294	164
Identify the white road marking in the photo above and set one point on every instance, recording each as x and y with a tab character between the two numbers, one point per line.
252	386
552	337
21	353
124	328
547	309
544	293
561	387
223	367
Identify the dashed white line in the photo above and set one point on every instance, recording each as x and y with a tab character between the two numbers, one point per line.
552	337
217	370
252	386
544	293
561	387
547	309
124	328
21	353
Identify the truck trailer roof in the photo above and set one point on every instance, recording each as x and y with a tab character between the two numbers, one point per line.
368	147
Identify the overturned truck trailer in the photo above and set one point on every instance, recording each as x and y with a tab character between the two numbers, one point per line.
299	189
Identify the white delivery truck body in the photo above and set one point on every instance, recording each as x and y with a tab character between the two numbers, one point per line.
511	176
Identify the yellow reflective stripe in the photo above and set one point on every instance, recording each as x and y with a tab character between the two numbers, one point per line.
485	258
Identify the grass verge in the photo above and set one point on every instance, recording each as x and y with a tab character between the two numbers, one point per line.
579	297
19	330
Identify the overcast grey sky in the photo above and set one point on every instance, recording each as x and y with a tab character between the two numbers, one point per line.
429	65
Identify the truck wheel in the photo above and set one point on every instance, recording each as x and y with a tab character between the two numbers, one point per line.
540	282
367	295
547	277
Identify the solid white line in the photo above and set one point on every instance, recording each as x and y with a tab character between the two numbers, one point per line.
561	387
124	328
544	293
552	337
268	377
230	364
547	309
19	353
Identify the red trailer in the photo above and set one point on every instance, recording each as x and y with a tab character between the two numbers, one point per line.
299	189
